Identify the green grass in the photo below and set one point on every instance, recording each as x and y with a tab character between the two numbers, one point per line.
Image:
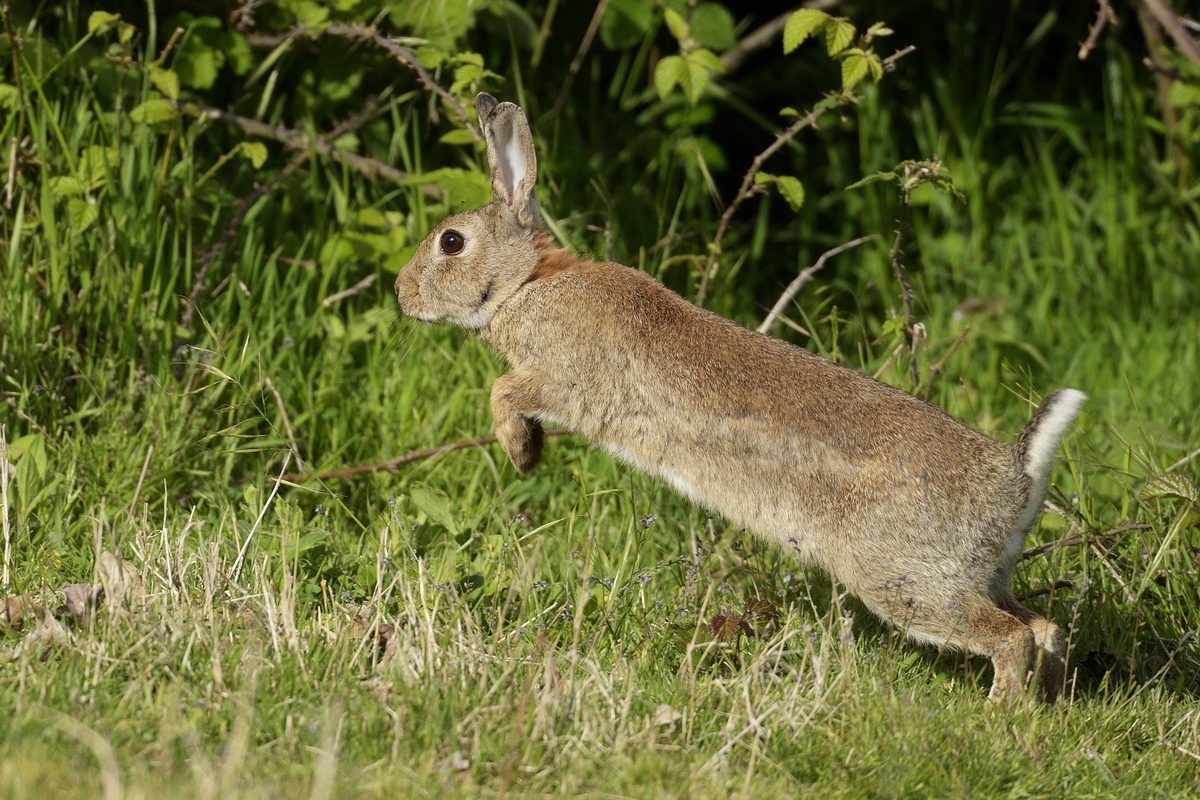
549	635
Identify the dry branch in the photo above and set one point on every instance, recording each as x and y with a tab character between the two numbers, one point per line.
806	275
393	464
1104	16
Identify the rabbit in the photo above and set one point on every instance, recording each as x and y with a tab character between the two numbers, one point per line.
918	515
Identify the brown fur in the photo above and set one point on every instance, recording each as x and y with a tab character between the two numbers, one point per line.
911	510
553	259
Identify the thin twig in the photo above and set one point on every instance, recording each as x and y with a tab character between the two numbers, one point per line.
298	140
353	290
408	59
1061	584
584	46
910	329
1104	16
4	510
393	464
287	423
762	36
940	364
749	188
237	563
1080	538
806	274
1175	29
1189	457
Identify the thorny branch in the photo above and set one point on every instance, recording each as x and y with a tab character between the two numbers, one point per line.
1104	16
408	59
748	188
370	34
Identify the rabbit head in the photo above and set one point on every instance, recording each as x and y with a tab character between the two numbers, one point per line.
472	262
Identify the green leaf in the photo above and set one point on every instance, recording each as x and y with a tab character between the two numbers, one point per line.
676	24
801	25
459	136
166	81
469	187
761	178
435	504
442	22
879	30
81	213
66	186
696	80
1170	484
669	72
854	69
10	96
255	152
1181	95
102	21
153	111
792	190
875	65
625	22
876	178
706	59
197	64
838	36
713	25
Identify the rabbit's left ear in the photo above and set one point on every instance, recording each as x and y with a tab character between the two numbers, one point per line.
511	158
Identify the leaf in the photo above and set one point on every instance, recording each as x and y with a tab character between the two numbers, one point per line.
838	36
1169	484
442	22
875	65
102	21
10	96
664	715
460	136
761	178
669	72
153	111
81	214
166	81
713	25
676	24
801	25
879	30
854	69
761	612
876	178
435	504
792	190
255	152
727	627
66	185
197	64
625	22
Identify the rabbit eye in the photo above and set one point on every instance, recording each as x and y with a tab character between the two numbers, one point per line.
452	242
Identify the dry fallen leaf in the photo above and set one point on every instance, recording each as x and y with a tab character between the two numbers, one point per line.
14	611
119	580
665	715
81	598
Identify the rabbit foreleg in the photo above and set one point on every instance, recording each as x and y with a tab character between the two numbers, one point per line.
514	409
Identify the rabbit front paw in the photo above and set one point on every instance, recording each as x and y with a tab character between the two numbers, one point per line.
521	438
514	404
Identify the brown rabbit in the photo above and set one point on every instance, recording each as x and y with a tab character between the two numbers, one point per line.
918	515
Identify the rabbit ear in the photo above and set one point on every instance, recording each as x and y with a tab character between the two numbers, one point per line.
510	155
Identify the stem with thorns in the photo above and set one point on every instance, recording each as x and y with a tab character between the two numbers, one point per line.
749	188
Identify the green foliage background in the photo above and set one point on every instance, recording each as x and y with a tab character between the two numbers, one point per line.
160	367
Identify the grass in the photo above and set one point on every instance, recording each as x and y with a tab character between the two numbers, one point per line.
455	630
